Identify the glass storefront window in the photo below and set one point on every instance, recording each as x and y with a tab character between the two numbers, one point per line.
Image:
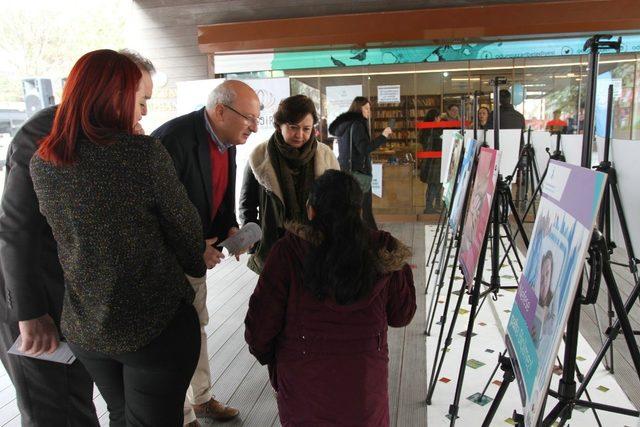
539	86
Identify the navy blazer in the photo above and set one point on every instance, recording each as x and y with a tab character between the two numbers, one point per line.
31	279
187	141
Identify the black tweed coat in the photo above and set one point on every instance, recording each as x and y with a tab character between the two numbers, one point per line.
126	234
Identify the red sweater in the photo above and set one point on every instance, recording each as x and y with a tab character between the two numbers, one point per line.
219	175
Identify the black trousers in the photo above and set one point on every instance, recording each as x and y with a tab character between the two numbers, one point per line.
367	210
147	387
47	393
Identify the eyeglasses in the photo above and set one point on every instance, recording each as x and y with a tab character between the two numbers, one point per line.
249	119
295	128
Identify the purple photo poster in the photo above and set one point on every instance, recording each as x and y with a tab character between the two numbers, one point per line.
560	238
475	224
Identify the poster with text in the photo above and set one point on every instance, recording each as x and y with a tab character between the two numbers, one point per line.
376	179
477	217
388	94
452	169
462	182
546	290
339	99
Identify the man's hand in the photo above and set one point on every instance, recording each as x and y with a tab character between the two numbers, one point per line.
387	132
212	256
39	335
232	231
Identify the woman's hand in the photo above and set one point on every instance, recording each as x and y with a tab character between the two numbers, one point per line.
387	131
138	130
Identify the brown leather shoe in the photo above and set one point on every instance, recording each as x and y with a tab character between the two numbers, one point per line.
215	411
193	424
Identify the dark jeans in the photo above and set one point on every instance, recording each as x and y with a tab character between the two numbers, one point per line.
147	387
367	211
431	196
48	393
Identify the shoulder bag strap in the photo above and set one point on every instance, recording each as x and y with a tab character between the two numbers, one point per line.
351	147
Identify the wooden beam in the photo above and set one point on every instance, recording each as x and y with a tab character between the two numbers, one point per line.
425	25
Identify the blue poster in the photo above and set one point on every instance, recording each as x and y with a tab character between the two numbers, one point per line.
462	183
547	288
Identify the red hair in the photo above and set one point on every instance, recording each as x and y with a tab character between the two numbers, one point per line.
98	102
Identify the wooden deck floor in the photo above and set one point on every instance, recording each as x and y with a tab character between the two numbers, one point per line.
240	381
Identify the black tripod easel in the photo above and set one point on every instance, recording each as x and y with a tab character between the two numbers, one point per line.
446	234
502	203
557	154
526	175
599	260
612	193
441	234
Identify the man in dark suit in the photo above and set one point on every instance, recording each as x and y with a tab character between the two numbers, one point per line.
509	117
202	145
32	289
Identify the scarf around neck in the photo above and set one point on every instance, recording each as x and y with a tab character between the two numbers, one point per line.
295	172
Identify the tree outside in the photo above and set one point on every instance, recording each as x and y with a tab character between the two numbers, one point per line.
40	38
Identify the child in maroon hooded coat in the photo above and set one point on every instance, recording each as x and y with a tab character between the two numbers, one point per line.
320	312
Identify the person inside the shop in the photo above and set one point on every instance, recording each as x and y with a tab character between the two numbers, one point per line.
483	118
280	172
320	312
431	140
355	146
509	117
557	125
453	113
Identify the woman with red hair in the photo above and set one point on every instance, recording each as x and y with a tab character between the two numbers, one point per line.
126	235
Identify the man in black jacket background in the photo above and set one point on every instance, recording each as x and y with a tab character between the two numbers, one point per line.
509	117
202	145
32	285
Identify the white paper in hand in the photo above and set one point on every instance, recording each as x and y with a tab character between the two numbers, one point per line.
245	238
62	354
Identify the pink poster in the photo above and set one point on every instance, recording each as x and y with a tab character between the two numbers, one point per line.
478	211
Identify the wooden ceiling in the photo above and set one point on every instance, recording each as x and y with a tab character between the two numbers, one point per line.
431	23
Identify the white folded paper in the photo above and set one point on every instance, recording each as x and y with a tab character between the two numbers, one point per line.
62	354
245	238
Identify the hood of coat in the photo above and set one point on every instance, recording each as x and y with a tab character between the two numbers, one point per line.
392	256
265	174
341	124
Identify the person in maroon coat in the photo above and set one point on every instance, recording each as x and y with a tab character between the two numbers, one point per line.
321	309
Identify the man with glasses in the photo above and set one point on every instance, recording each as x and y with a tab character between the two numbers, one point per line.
202	145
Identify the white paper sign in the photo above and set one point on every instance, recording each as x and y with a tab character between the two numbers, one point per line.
245	238
388	93
62	354
509	147
541	141
624	156
376	181
339	99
